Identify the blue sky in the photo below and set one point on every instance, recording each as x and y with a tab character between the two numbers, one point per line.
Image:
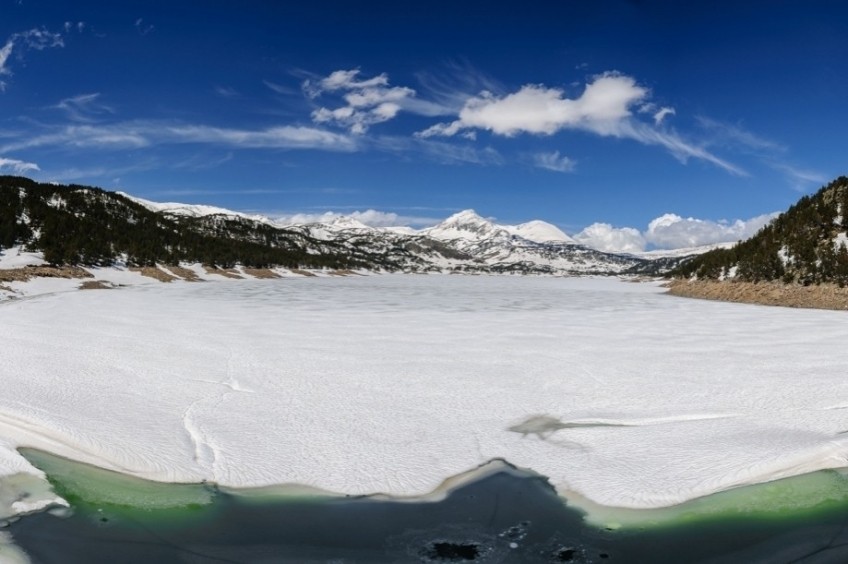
599	117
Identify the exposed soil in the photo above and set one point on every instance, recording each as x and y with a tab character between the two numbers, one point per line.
96	285
26	273
186	274
260	272
154	272
824	296
225	272
303	272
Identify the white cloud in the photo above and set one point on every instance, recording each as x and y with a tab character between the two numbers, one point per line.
541	110
604	108
554	162
369	217
17	166
367	101
37	39
662	113
670	231
605	237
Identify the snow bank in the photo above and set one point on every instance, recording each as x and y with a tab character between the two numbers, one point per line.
393	383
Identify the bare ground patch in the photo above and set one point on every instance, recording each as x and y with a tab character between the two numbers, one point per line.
26	273
225	272
824	296
186	274
303	272
153	272
260	272
96	285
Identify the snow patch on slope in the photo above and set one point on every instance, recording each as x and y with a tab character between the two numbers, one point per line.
193	210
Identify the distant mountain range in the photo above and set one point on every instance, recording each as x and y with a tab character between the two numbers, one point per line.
82	225
807	244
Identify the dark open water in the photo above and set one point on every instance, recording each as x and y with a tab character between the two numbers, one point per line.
500	518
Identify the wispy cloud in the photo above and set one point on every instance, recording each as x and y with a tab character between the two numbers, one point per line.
143	27
455	83
439	151
280	89
142	133
736	136
226	91
17	166
680	148
84	108
554	162
36	39
800	179
71	26
281	137
769	152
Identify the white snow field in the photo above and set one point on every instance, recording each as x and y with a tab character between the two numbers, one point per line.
394	383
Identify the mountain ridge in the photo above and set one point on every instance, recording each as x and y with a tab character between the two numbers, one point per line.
80	225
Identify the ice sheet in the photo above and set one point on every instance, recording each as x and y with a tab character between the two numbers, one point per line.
393	383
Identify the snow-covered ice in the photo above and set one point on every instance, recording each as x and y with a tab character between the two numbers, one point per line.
394	383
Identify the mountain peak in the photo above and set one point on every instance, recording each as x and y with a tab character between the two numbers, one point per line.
540	232
467	225
465	216
347	222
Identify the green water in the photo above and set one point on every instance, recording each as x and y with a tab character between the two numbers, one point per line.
502	517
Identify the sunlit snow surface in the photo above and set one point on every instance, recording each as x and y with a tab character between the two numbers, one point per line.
393	383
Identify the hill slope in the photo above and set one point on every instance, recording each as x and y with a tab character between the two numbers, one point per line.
806	245
89	226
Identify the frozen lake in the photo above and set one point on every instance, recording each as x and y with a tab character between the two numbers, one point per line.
394	383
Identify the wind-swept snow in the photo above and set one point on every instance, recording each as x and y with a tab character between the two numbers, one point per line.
394	383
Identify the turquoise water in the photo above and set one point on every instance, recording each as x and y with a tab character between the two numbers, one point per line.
502	517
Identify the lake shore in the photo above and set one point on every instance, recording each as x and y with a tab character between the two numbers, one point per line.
497	516
822	296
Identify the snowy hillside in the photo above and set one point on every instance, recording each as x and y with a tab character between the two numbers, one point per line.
88	226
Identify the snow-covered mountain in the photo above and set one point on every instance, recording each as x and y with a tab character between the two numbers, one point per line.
99	227
540	232
467	242
464	241
193	210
